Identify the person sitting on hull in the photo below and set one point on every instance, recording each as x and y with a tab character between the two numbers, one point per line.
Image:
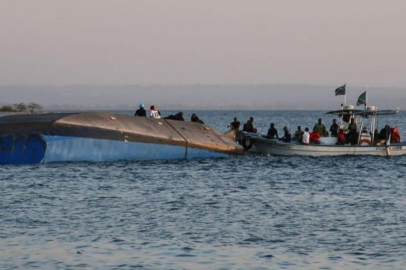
141	111
177	117
154	113
334	128
320	128
298	134
235	125
341	138
196	119
287	137
249	126
272	132
306	136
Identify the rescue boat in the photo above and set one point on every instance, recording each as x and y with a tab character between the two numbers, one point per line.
367	141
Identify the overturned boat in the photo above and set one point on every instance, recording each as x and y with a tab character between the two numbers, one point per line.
97	136
366	143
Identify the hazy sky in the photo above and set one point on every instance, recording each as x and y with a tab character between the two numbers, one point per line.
360	42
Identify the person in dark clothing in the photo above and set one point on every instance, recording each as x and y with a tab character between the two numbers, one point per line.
352	135
384	133
196	119
287	137
249	126
177	117
235	125
141	111
383	136
298	134
334	128
272	132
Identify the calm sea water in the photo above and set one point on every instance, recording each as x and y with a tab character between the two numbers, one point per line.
249	212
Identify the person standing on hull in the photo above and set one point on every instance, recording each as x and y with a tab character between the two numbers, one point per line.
272	132
249	126
141	111
334	128
154	113
235	125
320	128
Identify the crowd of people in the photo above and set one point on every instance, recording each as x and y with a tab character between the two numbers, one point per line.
156	114
347	135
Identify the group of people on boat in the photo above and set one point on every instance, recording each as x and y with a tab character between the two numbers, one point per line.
155	113
345	135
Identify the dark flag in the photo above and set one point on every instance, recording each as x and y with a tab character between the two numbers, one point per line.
340	91
362	100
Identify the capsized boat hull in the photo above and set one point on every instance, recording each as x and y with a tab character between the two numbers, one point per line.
106	137
275	147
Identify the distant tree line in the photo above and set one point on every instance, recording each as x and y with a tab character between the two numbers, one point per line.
20	107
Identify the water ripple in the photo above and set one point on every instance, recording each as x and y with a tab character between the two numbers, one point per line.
249	212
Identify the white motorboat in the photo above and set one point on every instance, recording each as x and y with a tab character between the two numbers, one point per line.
367	143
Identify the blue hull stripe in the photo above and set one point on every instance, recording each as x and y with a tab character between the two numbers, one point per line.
83	149
21	149
34	148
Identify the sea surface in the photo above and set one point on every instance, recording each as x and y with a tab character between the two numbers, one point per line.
245	212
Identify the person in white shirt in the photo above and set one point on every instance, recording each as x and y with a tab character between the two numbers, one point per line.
154	113
306	136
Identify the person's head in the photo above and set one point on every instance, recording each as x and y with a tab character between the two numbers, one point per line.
307	129
252	119
272	125
193	115
299	128
334	121
341	130
352	120
320	120
235	119
152	107
142	105
285	129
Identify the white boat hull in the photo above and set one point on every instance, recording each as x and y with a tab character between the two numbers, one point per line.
274	147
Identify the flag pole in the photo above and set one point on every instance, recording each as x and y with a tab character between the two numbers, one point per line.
366	96
345	97
345	94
